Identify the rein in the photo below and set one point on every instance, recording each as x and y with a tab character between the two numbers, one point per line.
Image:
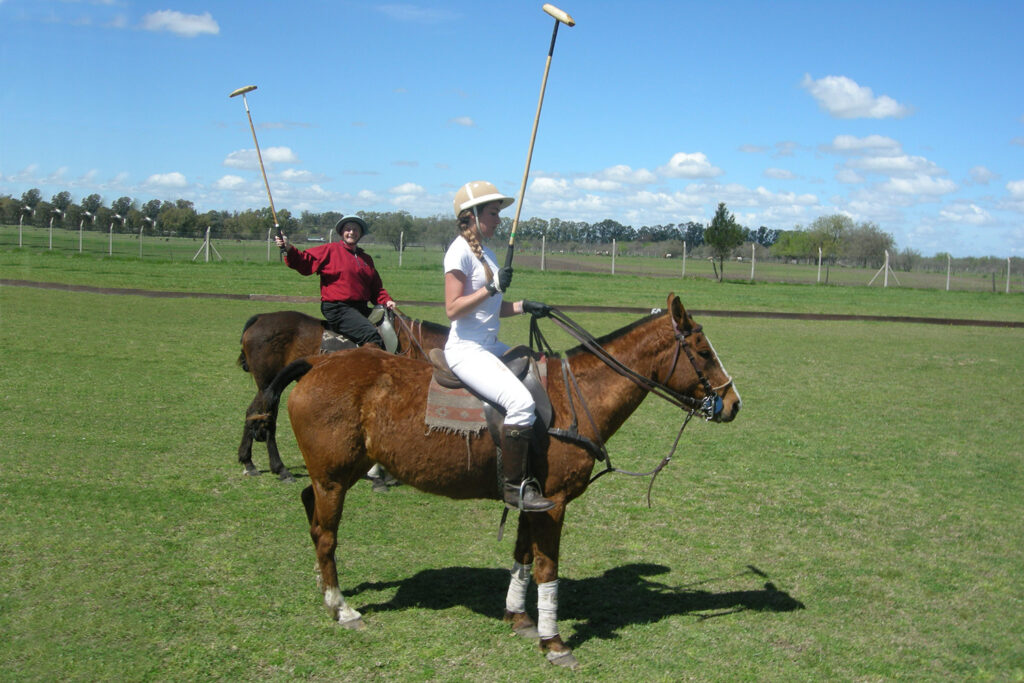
414	335
708	406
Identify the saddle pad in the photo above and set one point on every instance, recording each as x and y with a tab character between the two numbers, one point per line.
454	410
332	341
459	411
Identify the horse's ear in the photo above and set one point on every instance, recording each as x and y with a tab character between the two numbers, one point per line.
676	306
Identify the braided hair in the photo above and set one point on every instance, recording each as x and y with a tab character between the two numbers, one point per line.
468	231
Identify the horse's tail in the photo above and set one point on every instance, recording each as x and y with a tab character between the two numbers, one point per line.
242	362
263	411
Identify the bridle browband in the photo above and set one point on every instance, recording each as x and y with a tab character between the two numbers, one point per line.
708	407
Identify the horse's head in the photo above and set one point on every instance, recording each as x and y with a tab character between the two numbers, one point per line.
696	370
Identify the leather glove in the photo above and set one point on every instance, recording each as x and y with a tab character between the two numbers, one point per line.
504	278
536	309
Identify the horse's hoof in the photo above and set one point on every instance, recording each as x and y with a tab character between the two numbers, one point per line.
522	624
356	624
379	486
566	659
251	471
558	653
286	476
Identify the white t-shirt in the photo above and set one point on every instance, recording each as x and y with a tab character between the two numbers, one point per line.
480	326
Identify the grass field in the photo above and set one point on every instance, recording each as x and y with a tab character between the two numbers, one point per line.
861	520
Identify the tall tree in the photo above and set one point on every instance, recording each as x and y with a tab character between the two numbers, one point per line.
121	205
92	203
151	209
723	235
392	228
693	234
61	200
828	233
31	198
866	244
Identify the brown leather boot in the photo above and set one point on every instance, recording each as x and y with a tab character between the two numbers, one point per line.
515	449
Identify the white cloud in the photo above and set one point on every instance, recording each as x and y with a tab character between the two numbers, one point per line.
551	187
849	144
779	174
683	165
248	159
1016	188
407	189
848	176
622	173
279	155
185	25
843	98
902	165
597	185
229	182
464	121
413	14
166	180
295	176
969	214
982	176
919	185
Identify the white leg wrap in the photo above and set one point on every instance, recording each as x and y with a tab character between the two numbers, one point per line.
547	609
336	606
515	600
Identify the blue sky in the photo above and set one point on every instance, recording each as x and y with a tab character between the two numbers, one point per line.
907	114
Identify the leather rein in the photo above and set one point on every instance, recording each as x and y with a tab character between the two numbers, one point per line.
708	407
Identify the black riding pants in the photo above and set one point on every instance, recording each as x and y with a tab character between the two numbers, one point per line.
349	319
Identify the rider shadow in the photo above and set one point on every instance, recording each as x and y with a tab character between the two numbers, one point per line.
627	597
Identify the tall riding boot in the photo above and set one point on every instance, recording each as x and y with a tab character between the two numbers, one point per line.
515	449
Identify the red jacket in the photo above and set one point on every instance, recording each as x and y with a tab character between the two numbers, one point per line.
345	274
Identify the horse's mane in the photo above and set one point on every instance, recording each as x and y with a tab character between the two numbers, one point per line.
615	334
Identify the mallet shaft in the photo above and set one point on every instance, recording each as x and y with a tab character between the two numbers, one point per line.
259	156
564	18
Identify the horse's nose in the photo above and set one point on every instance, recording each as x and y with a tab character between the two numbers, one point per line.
729	413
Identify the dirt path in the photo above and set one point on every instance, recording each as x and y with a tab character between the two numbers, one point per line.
588	309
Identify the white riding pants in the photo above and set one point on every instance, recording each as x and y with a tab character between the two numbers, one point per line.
480	368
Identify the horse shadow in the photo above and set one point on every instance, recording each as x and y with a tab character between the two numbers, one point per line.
599	606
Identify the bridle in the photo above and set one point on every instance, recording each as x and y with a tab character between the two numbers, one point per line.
708	407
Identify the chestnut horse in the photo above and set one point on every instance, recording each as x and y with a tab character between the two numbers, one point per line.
270	341
360	407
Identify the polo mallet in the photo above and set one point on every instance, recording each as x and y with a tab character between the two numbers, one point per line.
560	18
241	91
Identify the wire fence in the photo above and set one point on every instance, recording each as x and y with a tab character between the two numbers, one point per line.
204	250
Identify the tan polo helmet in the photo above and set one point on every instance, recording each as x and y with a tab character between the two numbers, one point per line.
476	193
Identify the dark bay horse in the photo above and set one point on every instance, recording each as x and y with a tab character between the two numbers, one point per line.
360	407
270	341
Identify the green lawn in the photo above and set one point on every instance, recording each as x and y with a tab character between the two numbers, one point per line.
861	519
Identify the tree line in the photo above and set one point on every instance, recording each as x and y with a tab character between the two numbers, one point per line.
836	239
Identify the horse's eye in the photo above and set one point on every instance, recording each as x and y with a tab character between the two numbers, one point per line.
706	354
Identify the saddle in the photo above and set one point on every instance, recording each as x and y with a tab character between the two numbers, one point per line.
380	316
525	366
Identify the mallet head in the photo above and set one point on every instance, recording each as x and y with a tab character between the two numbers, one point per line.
242	90
559	14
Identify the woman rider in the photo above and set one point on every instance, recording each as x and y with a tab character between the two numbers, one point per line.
349	283
473	301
